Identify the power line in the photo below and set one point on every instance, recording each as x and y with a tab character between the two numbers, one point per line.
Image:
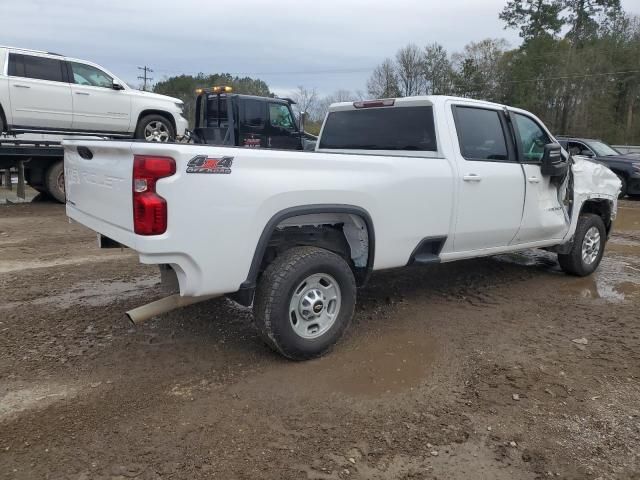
144	77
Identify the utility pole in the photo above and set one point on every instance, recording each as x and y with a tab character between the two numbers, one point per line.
145	78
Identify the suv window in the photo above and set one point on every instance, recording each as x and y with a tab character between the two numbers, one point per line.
386	128
87	75
480	134
532	138
280	116
576	148
40	68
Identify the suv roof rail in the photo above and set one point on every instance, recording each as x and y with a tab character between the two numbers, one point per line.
29	50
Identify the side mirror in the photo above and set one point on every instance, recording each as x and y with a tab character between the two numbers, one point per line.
552	163
117	85
586	153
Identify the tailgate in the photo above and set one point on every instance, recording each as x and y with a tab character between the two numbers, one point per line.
98	184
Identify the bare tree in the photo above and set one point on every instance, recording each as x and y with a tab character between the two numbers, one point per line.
336	97
306	100
410	68
477	69
383	82
438	72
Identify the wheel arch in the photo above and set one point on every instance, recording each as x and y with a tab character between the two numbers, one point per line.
155	111
601	207
245	293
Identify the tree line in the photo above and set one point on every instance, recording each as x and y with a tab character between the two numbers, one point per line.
578	68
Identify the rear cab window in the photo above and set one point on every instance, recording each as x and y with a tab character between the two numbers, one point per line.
408	128
38	68
481	134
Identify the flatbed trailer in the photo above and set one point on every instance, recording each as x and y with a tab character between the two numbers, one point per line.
38	163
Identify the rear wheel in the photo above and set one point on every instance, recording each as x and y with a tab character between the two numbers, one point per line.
54	181
304	302
588	247
155	128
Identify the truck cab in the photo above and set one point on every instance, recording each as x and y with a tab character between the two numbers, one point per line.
225	118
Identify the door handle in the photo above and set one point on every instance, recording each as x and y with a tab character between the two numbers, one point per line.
533	180
21	86
82	93
472	177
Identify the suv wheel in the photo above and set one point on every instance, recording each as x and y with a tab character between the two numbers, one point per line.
54	181
588	247
155	128
304	302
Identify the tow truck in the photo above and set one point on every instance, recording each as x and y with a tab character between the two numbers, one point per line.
228	119
38	163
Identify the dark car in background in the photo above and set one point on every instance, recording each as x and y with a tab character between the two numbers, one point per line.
625	165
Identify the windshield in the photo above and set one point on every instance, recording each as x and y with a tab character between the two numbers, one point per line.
602	149
397	128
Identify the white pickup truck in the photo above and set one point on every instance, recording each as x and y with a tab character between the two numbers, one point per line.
392	182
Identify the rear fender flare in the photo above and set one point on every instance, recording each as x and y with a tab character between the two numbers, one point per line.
267	232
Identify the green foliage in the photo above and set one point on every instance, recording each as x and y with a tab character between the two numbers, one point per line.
184	87
586	83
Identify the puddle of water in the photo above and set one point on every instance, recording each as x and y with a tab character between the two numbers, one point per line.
362	366
15	266
617	277
628	219
93	294
40	396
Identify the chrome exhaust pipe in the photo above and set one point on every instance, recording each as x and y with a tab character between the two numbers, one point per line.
166	304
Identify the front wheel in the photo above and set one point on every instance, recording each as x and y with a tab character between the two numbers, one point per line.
588	247
155	128
304	302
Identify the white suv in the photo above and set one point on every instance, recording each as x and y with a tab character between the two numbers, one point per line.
44	92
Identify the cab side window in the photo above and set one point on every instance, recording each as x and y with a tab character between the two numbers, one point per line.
480	134
253	114
532	138
90	76
280	116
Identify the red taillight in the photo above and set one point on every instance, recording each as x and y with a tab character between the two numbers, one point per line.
149	208
385	102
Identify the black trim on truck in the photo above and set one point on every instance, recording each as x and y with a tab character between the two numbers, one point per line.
244	295
427	251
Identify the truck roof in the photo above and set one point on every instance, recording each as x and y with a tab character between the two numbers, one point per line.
284	101
421	100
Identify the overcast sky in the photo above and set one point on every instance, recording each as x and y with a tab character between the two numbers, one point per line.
326	44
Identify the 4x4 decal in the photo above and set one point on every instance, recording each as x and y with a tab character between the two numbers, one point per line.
205	164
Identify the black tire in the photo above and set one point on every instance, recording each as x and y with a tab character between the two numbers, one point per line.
166	128
623	190
573	262
54	181
281	281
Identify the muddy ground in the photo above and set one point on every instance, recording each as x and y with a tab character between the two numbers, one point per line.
457	371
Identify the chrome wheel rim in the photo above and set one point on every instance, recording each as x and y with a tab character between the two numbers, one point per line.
315	305
591	245
156	131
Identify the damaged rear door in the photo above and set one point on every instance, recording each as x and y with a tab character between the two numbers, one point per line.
544	215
